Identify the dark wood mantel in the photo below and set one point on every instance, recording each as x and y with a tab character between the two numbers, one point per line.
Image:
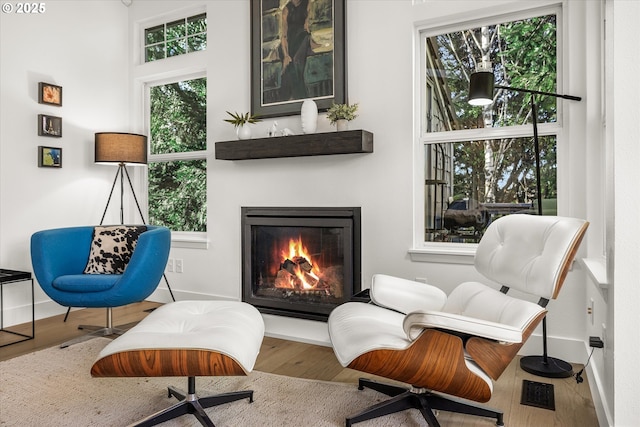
315	144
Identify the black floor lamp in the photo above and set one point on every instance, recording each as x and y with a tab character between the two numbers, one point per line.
123	148
481	85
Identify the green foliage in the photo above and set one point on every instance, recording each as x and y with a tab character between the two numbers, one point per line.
342	112
177	189
179	117
177	195
239	119
523	54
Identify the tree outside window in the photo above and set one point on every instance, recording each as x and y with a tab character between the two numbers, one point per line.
490	170
178	166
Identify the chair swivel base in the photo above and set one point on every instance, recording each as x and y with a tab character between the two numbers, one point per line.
96	332
425	401
190	403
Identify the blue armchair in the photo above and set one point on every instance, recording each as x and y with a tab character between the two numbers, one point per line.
59	257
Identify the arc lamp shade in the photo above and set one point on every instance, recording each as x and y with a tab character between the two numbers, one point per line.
481	86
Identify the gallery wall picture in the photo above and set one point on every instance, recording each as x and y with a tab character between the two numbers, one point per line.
49	125
297	53
49	157
49	94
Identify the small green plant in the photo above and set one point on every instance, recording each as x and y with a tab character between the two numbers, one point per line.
240	119
342	112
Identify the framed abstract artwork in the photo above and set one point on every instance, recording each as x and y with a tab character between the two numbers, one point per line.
49	157
49	94
298	52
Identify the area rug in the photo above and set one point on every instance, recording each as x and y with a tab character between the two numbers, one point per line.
53	387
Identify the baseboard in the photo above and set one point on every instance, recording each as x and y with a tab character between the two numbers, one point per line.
163	295
567	349
599	396
22	314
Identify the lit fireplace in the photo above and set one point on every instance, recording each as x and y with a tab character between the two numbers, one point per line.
300	262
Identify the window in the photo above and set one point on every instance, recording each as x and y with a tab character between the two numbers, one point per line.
479	162
176	38
177	162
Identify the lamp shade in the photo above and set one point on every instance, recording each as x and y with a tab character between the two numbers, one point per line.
481	88
117	147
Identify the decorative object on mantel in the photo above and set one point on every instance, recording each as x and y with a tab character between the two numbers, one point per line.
317	144
341	115
273	131
240	122
309	116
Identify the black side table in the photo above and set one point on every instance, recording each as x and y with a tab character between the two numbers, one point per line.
13	276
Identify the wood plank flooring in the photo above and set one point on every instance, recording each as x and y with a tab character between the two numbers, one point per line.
574	405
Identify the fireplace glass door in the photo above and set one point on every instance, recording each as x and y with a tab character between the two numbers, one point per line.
298	266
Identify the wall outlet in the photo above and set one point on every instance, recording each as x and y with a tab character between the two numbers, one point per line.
170	265
179	266
590	310
604	335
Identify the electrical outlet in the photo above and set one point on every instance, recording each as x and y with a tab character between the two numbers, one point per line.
179	266
170	265
590	310
604	335
595	342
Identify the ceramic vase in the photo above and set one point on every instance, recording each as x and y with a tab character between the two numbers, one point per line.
243	132
309	116
342	124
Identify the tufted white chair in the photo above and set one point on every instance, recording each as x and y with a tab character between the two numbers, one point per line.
456	345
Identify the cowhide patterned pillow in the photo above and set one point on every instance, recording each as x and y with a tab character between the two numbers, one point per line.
111	248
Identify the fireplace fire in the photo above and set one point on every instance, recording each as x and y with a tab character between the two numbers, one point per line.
300	262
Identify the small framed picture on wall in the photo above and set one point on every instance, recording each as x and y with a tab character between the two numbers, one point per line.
49	94
49	125
49	157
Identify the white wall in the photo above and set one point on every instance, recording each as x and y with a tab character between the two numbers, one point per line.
81	46
623	340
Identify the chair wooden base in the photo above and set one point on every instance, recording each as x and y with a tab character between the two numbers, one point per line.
190	403
425	401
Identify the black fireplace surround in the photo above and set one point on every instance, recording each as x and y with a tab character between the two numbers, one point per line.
300	261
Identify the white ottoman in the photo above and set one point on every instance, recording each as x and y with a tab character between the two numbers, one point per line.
187	338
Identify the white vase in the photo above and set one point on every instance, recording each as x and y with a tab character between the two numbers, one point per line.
243	132
342	124
309	116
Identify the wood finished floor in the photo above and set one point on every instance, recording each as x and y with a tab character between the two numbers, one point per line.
574	405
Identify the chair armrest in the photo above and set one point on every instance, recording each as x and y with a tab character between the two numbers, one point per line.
405	295
414	323
147	263
59	252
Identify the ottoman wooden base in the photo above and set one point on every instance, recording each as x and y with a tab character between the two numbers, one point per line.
188	338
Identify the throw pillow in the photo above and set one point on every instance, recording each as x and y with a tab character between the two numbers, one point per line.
111	248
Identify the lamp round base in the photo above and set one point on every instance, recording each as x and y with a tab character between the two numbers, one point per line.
552	368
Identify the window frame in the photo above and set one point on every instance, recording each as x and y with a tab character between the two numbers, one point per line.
163	21
146	74
190	239
463	253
